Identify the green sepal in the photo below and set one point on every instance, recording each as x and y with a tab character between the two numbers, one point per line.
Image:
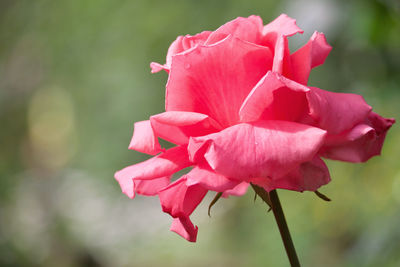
322	196
217	196
263	194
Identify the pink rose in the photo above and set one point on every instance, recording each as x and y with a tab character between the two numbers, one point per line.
239	111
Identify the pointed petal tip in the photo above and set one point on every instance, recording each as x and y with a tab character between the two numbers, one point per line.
185	228
156	67
283	25
126	184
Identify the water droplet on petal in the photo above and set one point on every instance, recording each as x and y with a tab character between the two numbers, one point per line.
187	66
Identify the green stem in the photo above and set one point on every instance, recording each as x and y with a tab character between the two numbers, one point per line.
283	229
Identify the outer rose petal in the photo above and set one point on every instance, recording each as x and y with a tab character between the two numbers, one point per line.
151	187
179	199
181	44
308	176
360	143
275	98
259	149
336	112
214	80
309	56
185	228
210	180
143	187
238	190
247	29
144	140
178	126
159	166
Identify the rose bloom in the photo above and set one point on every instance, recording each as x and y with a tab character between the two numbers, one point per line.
239	111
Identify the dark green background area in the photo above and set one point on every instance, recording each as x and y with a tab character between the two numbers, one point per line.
75	76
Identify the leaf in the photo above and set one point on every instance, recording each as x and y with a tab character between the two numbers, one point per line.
217	196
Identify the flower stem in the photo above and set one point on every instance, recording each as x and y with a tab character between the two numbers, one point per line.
283	229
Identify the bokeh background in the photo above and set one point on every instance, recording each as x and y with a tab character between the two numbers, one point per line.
75	76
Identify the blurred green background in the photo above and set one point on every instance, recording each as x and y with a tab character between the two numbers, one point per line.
75	76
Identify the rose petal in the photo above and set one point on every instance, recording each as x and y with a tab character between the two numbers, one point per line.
159	166
209	179
150	187
259	149
181	44
178	126
275	98
247	29
144	139
275	37
179	199
336	112
238	190
282	25
184	43
156	67
214	80
185	228
308	176
360	143
309	56
281	63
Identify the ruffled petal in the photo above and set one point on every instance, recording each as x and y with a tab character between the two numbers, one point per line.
259	149
309	56
181	44
159	166
144	139
275	98
247	29
238	190
336	112
177	126
308	176
209	179
179	199
360	143
214	80
184	227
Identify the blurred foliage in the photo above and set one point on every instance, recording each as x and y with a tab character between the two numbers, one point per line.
74	76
